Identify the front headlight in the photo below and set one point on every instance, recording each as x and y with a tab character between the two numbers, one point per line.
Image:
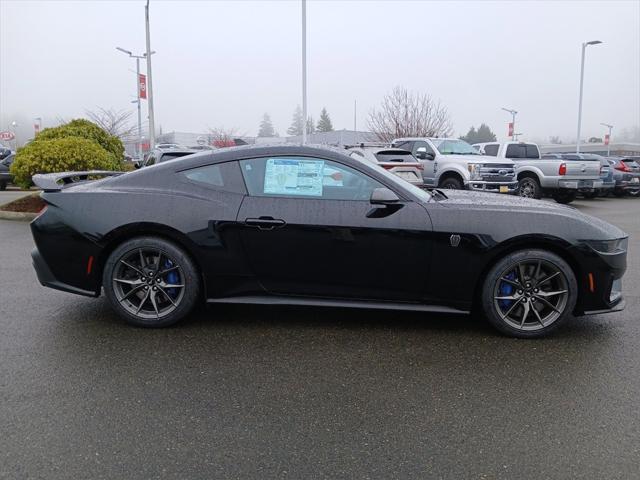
617	245
474	171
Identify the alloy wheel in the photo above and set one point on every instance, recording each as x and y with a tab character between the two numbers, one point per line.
531	295
148	283
527	189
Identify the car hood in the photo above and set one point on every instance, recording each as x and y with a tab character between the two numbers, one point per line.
512	206
478	159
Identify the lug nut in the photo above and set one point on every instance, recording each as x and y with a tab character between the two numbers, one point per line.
155	288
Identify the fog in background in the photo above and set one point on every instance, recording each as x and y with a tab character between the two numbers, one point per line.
227	63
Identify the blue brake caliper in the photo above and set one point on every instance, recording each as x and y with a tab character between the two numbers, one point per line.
506	289
172	278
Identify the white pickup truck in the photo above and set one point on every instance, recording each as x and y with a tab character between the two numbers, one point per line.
562	179
453	163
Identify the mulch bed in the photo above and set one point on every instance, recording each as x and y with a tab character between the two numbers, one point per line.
30	204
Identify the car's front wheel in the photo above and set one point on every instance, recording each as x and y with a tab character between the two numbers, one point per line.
529	293
151	282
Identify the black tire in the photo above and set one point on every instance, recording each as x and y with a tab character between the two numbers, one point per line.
542	263
172	297
451	183
618	192
591	195
564	196
529	187
3	186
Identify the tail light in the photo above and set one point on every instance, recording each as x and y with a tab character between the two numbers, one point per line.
562	169
623	167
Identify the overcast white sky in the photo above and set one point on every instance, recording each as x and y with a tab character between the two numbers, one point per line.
226	63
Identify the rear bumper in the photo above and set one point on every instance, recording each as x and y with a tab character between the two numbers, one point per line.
47	279
580	185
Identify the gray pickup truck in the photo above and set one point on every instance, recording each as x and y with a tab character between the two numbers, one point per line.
561	179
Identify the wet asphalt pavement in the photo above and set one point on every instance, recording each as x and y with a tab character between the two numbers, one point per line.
273	392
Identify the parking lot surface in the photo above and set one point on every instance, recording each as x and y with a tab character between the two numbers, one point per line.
264	392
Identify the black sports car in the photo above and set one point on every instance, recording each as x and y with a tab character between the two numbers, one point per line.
310	226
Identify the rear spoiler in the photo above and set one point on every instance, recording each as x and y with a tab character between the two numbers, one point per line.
54	182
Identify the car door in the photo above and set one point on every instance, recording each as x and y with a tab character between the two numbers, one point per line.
428	163
310	229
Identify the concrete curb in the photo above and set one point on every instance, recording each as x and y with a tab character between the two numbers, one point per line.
20	216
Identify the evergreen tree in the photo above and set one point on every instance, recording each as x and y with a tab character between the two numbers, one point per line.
324	124
296	123
266	127
483	134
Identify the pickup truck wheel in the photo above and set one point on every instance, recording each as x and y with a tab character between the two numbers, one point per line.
451	183
564	196
591	195
3	185
529	187
529	293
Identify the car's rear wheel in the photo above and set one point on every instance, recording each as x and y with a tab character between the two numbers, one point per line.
529	293
3	185
529	187
591	195
151	282
564	196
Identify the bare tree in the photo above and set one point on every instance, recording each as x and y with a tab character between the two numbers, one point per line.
114	122
409	114
223	137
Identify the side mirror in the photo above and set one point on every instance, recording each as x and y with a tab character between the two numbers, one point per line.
421	153
383	196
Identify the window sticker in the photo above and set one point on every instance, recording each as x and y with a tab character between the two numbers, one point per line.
294	177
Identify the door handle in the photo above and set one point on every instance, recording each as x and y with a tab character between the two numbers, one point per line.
265	223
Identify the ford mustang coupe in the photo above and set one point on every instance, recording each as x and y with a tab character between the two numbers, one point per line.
302	225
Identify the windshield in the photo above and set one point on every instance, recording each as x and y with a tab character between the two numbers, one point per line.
454	147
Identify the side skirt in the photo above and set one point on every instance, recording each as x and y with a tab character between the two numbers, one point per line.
323	302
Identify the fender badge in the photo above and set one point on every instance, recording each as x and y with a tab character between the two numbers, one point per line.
454	240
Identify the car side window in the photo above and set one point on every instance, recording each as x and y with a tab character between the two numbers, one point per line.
150	161
220	176
305	177
491	150
422	144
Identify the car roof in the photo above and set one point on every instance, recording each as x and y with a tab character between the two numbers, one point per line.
411	139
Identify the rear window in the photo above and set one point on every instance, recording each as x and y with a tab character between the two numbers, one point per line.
491	150
394	156
631	163
522	150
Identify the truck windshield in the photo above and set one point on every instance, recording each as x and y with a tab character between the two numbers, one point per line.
454	147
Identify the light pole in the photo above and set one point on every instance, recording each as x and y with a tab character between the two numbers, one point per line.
14	124
584	48
137	57
152	123
304	71
610	127
513	122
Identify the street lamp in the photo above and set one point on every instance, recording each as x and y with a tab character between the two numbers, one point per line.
152	122
304	71
137	57
584	48
610	127
513	122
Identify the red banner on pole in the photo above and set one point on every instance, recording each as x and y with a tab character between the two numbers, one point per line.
511	129
606	139
142	85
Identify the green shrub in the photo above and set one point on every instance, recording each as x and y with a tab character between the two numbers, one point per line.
60	155
89	130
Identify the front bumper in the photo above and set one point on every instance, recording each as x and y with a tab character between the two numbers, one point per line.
496	187
47	279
